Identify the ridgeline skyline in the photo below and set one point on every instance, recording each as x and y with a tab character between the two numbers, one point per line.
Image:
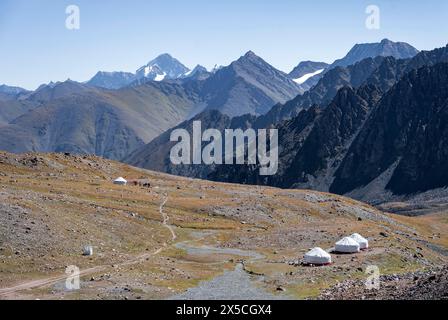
124	36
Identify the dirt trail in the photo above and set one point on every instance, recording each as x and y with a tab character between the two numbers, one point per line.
166	219
10	292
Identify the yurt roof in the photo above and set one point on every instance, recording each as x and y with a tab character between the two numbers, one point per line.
357	237
347	241
317	252
120	179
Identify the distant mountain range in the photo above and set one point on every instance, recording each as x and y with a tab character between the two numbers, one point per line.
73	117
373	130
369	125
306	74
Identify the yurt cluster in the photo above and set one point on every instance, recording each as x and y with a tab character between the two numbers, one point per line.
143	182
347	245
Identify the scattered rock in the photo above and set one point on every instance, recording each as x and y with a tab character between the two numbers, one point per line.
279	288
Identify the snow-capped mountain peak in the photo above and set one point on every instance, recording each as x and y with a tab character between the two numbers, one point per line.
164	67
161	68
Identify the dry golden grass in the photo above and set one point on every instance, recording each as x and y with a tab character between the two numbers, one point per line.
73	202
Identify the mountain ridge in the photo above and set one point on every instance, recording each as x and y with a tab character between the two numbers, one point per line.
319	143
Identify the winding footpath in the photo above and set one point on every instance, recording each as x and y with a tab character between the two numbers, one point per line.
10	292
166	219
235	284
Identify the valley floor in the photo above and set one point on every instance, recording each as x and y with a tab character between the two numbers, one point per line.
187	239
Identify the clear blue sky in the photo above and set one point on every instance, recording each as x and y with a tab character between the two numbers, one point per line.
123	35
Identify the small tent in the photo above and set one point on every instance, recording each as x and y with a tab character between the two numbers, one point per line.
120	181
347	245
317	256
363	242
87	251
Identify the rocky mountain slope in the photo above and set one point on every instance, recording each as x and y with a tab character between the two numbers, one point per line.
11	109
248	86
369	148
382	71
324	91
380	138
405	134
106	123
156	154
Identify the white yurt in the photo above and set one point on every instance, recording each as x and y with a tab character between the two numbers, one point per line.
317	256
347	245
121	181
363	242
